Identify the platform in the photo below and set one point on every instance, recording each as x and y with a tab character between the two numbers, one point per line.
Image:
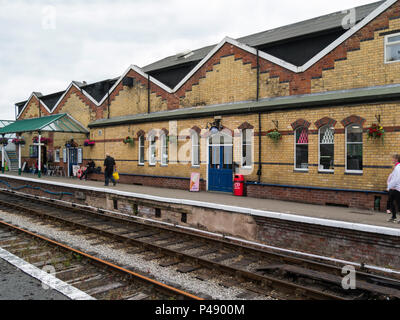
350	215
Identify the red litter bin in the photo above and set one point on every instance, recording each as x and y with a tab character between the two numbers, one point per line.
238	185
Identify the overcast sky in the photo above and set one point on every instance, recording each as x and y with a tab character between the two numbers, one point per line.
44	45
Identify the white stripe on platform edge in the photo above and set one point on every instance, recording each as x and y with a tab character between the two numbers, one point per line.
46	278
252	212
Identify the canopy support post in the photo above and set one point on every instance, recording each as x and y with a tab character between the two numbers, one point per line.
19	156
39	155
2	155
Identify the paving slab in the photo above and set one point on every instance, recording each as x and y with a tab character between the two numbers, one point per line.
352	215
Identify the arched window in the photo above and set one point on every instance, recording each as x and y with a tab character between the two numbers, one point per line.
141	150
301	148
164	149
195	149
354	148
152	150
326	148
247	161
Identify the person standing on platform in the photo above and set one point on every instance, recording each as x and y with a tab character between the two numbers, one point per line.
394	188
109	164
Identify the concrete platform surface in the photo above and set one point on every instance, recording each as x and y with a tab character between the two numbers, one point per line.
17	285
352	215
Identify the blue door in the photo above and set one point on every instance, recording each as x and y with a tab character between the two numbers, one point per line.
220	166
73	159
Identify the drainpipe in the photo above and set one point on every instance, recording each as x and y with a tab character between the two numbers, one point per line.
108	100
148	93
259	172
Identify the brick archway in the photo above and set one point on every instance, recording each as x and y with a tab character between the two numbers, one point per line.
300	123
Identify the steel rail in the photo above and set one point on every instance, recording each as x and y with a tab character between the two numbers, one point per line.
267	281
163	286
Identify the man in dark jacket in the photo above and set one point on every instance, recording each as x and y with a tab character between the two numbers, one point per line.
109	164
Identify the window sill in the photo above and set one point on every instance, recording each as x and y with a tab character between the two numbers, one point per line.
326	172
354	173
301	170
196	166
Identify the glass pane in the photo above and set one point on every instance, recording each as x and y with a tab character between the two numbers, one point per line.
302	156
141	154
326	157
354	156
302	135
354	134
393	52
394	39
327	135
195	155
228	157
215	155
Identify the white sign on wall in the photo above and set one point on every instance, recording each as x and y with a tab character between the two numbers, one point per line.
80	155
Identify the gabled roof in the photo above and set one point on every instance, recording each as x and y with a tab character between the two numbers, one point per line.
54	123
365	13
295	30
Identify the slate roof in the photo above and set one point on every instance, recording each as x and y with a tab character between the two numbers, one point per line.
296	30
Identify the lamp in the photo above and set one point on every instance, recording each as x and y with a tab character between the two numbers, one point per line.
215	126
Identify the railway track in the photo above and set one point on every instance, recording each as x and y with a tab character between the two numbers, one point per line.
98	278
265	273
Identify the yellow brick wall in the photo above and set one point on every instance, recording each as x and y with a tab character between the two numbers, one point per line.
376	153
232	81
133	100
363	68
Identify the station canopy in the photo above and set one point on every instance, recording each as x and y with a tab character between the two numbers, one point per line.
4	123
55	123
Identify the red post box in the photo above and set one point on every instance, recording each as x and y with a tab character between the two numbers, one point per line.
238	185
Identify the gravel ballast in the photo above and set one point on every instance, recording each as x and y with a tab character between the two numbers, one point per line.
209	289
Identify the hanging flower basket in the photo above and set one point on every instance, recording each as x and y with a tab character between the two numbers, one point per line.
18	141
42	140
274	134
128	140
3	141
376	132
89	143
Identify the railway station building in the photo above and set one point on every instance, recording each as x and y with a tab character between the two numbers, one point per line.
307	112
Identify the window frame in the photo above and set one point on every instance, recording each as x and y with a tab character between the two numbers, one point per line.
319	149
152	144
57	153
244	131
197	145
308	150
346	143
141	150
163	148
387	44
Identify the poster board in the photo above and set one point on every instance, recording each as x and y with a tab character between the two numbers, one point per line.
195	182
75	170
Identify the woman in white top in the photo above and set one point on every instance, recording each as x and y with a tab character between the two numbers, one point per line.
394	188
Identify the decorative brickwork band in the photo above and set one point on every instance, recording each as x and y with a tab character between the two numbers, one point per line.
300	123
325	121
353	120
245	126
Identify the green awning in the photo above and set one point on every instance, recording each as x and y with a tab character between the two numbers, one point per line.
55	123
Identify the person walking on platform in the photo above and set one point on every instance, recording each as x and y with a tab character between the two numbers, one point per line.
394	188
109	164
